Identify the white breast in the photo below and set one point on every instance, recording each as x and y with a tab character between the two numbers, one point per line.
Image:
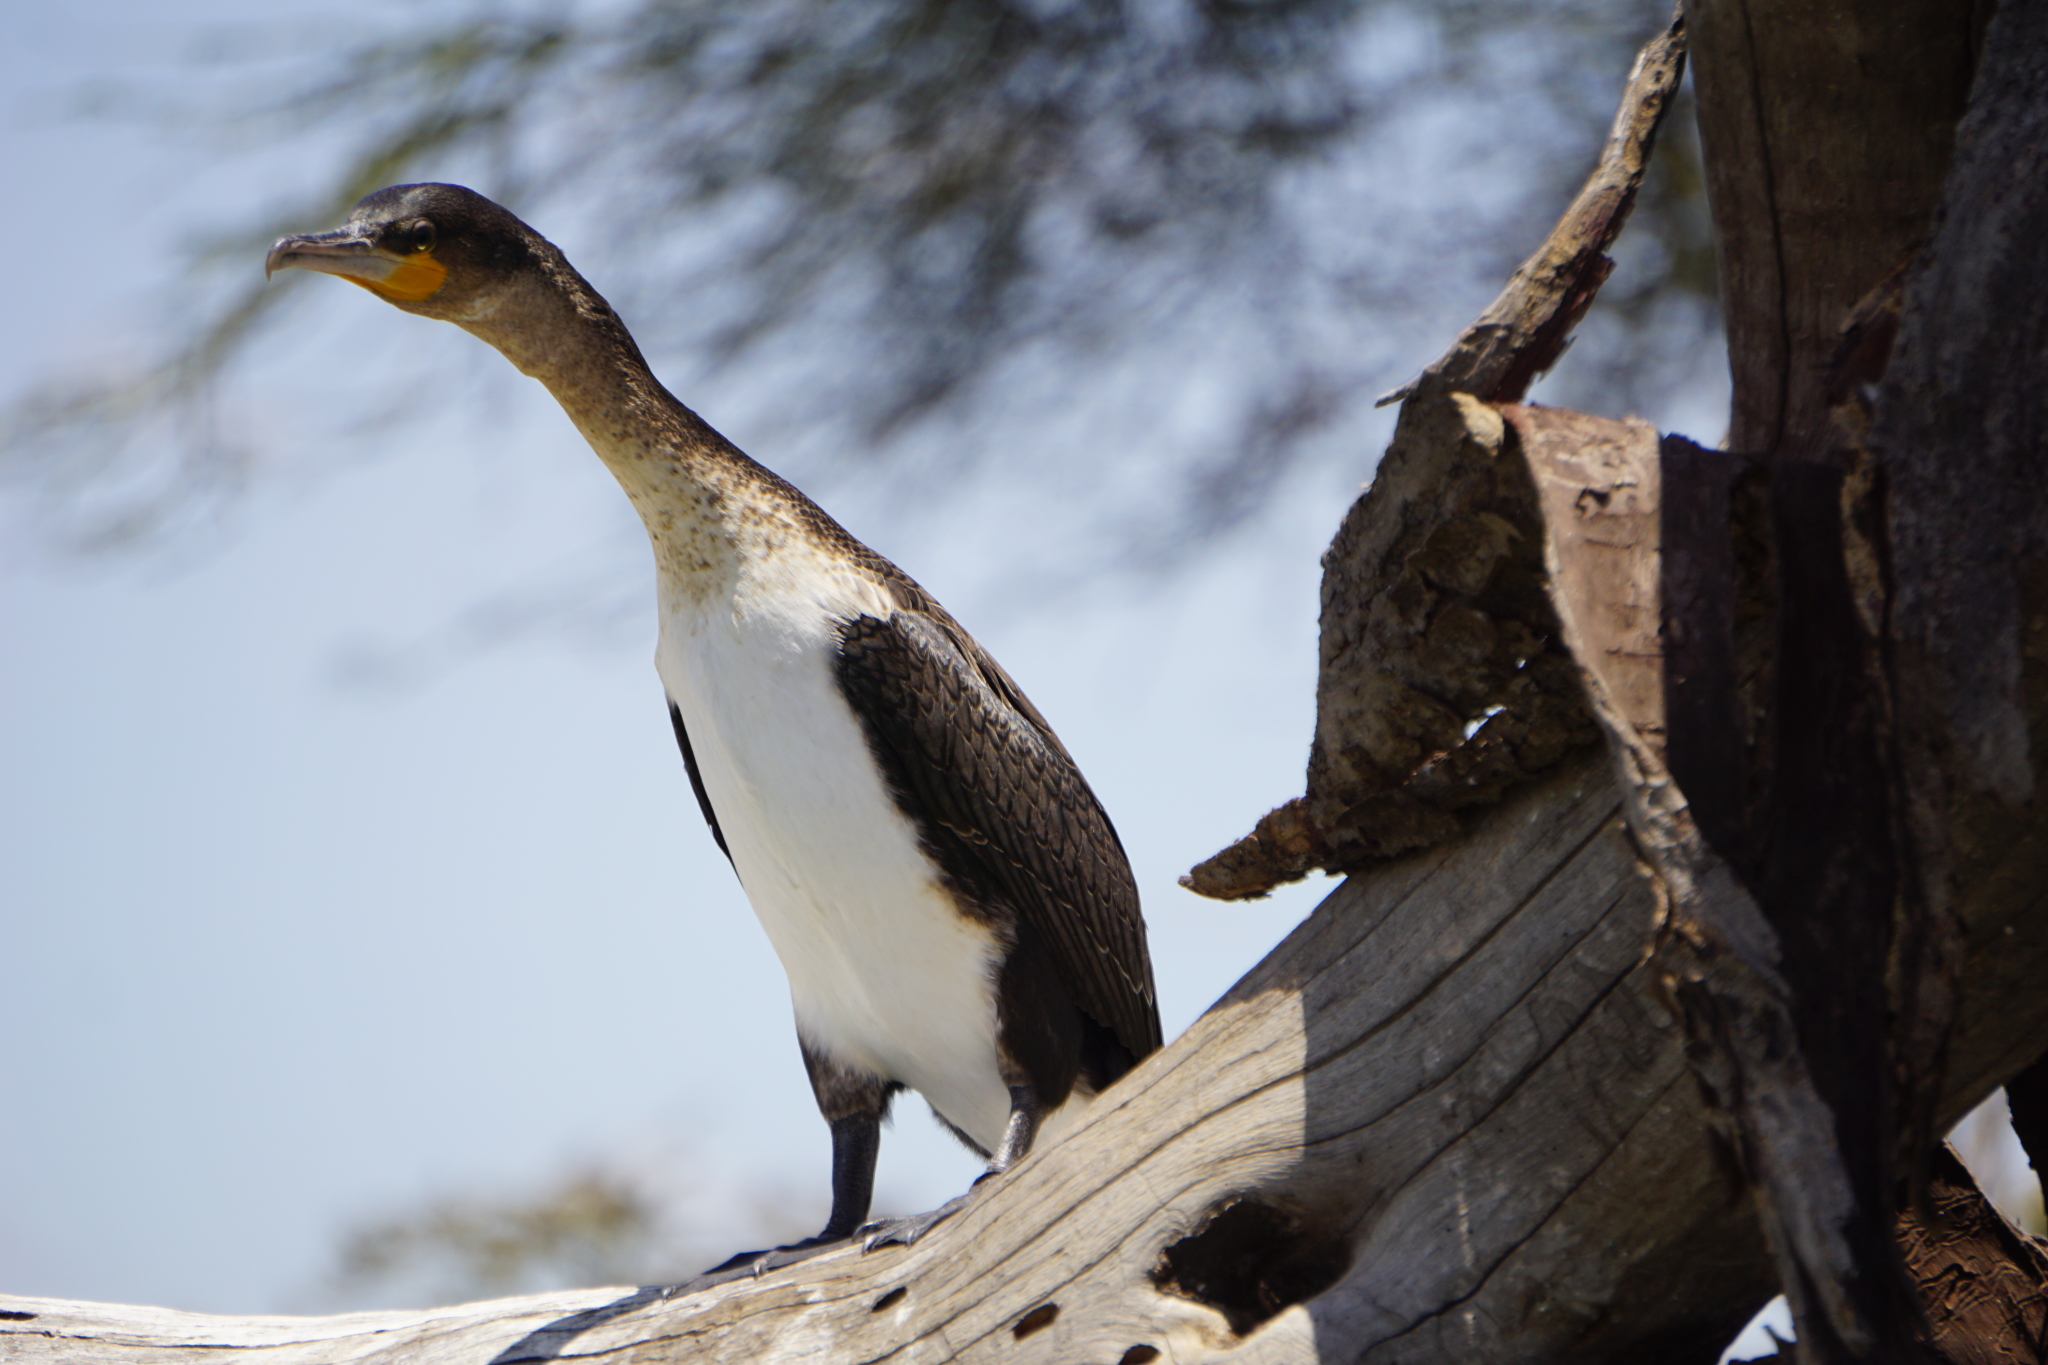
885	974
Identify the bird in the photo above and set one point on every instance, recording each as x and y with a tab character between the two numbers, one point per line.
950	902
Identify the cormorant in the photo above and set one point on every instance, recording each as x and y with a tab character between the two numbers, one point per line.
953	908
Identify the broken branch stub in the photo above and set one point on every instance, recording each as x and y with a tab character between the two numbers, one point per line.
1527	327
1443	681
1438	690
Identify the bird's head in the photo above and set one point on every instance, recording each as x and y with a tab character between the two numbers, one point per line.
441	251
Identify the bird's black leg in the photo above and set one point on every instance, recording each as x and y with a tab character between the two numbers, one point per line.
856	1138
1018	1135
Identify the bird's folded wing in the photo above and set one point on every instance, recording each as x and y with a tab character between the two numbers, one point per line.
1008	812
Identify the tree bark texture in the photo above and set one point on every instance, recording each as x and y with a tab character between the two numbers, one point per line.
1984	1282
1901	515
1696	870
1827	127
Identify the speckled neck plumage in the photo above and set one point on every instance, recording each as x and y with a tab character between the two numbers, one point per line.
706	505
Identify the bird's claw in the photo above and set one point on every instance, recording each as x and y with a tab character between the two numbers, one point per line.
903	1232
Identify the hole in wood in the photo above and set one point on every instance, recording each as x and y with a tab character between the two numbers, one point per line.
1038	1317
1251	1259
889	1300
1139	1355
13	1315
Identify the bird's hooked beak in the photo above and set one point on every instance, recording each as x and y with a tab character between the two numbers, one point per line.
347	252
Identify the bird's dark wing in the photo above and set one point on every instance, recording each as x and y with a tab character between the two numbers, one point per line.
675	715
1002	807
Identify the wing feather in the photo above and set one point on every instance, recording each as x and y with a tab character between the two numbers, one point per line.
1004	810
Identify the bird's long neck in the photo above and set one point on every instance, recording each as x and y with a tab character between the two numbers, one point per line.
697	494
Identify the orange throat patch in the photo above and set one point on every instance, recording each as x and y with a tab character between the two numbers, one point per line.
411	280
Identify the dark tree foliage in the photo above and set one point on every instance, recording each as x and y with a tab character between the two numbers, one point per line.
926	209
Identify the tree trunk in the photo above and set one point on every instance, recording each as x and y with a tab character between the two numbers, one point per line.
1687	801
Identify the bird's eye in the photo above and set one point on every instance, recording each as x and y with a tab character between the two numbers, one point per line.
419	236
